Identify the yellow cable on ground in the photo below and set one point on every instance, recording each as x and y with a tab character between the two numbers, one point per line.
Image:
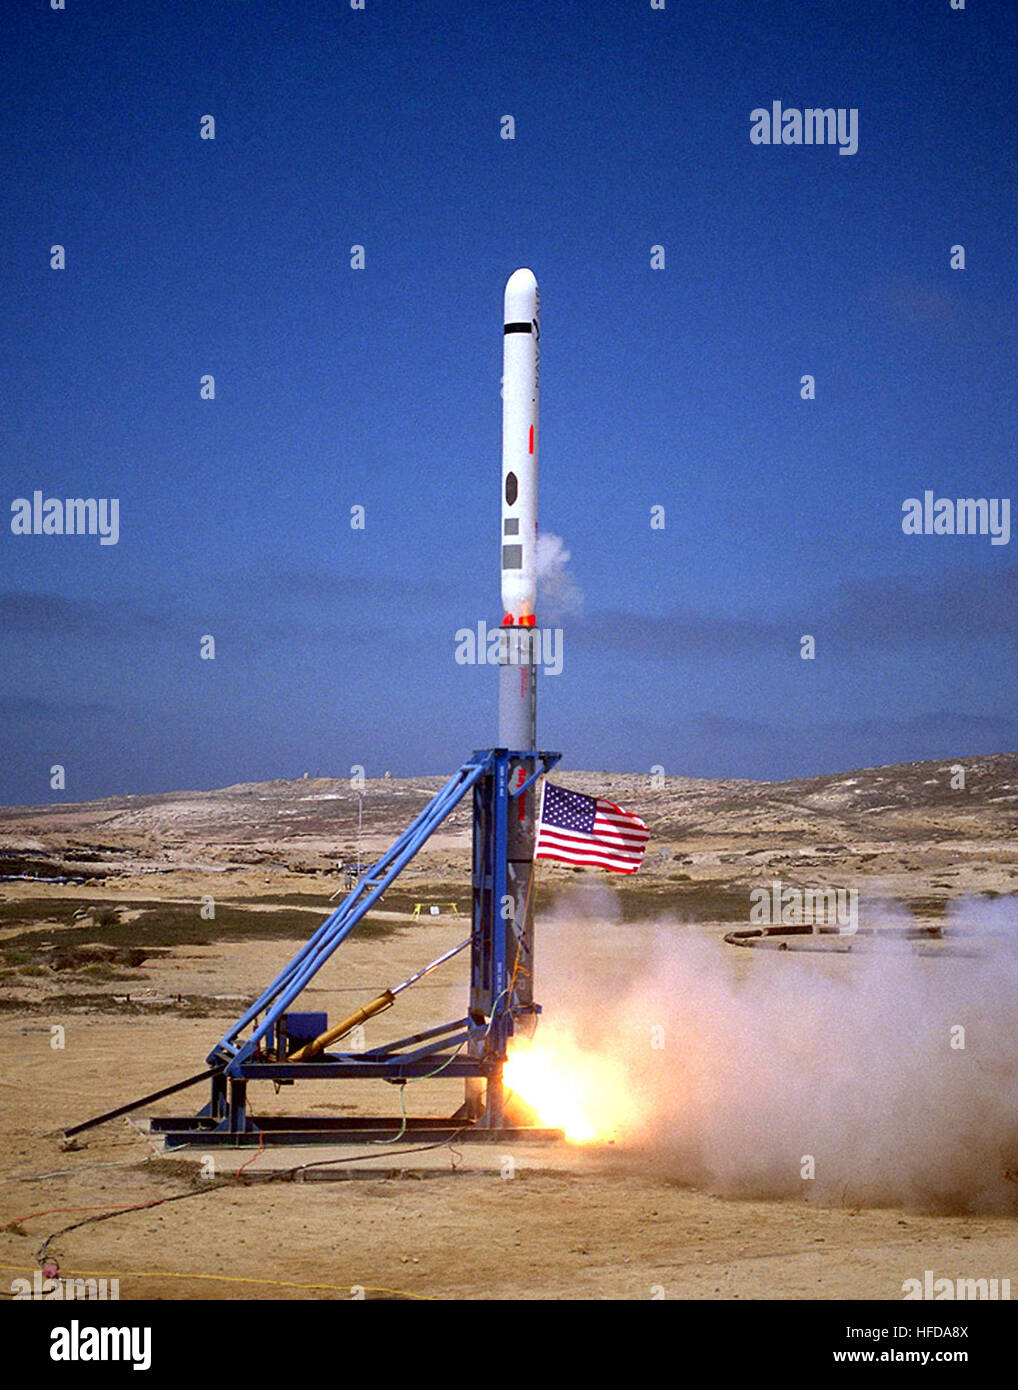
227	1279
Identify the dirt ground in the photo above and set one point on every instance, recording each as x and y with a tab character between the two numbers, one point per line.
461	1221
572	1222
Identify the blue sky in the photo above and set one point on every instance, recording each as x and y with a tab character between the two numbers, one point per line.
380	387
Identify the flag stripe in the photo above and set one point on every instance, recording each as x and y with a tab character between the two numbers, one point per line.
597	861
578	842
615	837
585	851
578	847
572	847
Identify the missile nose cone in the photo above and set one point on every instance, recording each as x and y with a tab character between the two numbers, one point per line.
522	301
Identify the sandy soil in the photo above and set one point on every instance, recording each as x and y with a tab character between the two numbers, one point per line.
587	1222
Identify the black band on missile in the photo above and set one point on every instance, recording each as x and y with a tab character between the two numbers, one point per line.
518	328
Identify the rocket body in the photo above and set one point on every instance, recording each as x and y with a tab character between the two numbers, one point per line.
517	679
520	396
517	692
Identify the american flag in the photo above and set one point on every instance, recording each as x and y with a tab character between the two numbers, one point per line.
581	829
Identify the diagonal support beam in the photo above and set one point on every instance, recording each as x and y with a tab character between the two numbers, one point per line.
293	979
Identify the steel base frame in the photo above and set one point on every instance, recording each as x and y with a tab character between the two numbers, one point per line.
473	1048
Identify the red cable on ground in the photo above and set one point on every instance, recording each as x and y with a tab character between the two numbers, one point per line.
261	1140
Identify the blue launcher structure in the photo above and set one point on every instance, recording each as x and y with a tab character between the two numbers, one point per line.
274	1043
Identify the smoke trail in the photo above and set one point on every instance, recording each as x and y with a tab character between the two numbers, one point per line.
560	595
892	1077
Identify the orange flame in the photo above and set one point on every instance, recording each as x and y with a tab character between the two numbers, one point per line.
584	1094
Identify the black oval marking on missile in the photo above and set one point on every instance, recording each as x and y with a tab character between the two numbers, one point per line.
517	328
512	488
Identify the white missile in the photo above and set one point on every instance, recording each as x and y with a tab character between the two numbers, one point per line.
517	677
520	395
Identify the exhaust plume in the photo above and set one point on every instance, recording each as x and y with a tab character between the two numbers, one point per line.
891	1076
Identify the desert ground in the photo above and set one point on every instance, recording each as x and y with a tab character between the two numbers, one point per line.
117	979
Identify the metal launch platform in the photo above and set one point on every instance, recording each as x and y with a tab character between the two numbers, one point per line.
271	1042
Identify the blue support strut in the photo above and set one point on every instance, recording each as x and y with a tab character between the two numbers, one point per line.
471	1047
289	983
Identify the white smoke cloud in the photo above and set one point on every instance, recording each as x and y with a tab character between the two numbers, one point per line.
560	595
764	1059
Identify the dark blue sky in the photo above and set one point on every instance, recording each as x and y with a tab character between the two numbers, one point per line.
380	387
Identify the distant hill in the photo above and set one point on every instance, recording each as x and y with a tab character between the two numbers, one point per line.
312	823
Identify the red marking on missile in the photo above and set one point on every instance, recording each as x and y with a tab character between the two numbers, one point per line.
531	439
